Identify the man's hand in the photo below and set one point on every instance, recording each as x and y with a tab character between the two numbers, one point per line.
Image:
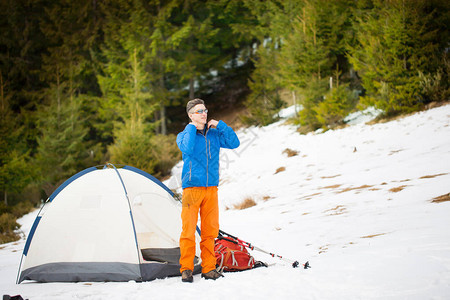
212	123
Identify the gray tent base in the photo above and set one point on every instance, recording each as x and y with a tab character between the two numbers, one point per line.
169	255
101	272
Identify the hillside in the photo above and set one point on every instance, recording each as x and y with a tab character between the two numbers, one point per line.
367	205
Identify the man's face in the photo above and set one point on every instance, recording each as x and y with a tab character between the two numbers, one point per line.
198	114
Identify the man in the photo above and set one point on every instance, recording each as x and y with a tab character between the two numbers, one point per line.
200	143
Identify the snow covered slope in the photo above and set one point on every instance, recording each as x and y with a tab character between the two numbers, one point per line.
356	202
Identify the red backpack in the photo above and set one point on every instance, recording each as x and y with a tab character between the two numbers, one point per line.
232	256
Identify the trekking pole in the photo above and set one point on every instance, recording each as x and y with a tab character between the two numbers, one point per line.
294	264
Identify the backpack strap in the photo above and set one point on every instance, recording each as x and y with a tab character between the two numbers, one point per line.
235	263
220	267
251	261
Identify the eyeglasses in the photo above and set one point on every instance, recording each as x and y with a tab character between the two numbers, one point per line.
200	111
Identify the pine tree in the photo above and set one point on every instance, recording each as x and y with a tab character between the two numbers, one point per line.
21	45
132	142
128	92
21	42
195	42
308	39
161	63
70	28
272	26
337	104
15	171
63	148
394	45
306	61
264	101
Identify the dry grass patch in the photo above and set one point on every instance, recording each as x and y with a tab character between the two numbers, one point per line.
266	198
8	227
308	197
338	210
395	151
348	244
442	198
248	202
332	176
323	249
280	169
397	189
372	235
432	176
365	186
290	152
331	186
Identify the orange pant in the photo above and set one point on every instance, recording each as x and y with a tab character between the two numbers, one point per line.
194	199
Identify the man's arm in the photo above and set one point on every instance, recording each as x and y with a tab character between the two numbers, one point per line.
227	137
186	139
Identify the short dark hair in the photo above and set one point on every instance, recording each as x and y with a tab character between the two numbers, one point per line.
193	103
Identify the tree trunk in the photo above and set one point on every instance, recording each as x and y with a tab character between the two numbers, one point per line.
162	114
155	115
191	88
2	97
294	98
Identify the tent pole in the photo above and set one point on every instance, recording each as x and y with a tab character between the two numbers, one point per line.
132	219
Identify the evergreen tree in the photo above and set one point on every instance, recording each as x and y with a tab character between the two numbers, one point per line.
70	28
264	101
61	148
132	133
308	40
273	19
304	52
21	45
161	64
195	42
314	47
15	171
126	83
62	145
337	104
132	142
394	45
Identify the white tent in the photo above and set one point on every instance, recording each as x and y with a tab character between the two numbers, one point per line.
109	224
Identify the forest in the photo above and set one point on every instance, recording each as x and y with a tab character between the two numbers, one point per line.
92	81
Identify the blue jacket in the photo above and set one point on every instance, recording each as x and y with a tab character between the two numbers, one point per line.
201	153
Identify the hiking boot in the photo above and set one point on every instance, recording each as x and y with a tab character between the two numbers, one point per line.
212	275
186	276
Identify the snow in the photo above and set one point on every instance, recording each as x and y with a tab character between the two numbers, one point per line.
289	112
362	116
355	202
